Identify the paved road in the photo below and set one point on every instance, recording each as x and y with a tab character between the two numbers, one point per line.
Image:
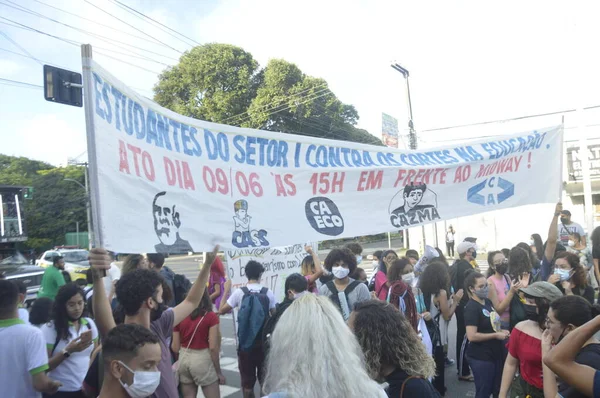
190	266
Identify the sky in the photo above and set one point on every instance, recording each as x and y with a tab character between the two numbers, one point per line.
469	61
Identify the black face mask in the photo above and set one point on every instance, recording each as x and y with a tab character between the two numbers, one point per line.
502	268
156	313
531	312
564	220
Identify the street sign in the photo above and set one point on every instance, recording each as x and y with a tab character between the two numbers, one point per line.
63	86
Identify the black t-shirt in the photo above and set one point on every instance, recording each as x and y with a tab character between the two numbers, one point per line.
416	387
587	292
462	266
590	356
481	316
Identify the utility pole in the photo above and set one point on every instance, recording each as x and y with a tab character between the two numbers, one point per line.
72	162
412	136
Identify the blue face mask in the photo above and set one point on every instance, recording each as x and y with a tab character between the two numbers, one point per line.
358	259
564	274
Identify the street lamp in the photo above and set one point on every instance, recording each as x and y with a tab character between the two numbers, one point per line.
87	208
412	134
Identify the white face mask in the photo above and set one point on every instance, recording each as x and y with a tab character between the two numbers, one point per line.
340	272
408	278
571	243
358	259
144	383
375	263
298	295
531	242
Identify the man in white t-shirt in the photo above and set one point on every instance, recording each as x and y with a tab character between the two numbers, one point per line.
24	360
250	362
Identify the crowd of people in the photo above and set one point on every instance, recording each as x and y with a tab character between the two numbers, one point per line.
525	329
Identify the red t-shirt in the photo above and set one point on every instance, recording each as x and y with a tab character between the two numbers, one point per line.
528	350
186	330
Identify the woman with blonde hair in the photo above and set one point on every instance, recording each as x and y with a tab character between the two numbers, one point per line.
312	332
133	262
393	351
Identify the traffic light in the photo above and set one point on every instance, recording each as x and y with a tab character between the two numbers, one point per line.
28	193
63	86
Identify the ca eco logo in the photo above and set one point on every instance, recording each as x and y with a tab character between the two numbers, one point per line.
324	216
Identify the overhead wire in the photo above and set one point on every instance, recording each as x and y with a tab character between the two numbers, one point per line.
76	44
109	40
141	16
7	37
128	24
19	82
101	24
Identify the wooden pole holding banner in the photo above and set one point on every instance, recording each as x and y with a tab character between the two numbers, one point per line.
88	87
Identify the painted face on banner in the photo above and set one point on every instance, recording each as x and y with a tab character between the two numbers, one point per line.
166	220
413	198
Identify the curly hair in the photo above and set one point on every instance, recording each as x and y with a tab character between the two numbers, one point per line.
60	316
435	278
388	339
579	277
344	255
136	287
519	262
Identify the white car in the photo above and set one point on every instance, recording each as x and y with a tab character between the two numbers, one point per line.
76	262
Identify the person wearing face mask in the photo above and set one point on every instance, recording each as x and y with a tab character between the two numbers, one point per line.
564	316
343	290
382	284
434	282
400	294
502	288
295	287
131	354
485	337
70	339
357	250
566	228
570	276
525	345
140	294
584	252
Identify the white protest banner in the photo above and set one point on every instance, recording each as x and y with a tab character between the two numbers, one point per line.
279	262
169	183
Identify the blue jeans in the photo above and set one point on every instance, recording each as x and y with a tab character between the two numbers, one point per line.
488	377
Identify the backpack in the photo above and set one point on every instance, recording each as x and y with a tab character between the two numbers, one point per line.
252	317
271	323
181	287
334	293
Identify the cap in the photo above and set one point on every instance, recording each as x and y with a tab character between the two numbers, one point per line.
566	213
240	205
543	290
464	247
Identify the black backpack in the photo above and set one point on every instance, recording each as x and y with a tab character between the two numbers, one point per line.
269	327
181	287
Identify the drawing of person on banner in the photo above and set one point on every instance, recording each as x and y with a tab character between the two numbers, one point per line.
243	236
414	204
166	225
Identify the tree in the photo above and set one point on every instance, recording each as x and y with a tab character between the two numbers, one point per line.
211	82
221	83
56	205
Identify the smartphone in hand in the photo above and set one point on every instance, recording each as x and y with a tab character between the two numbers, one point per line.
86	336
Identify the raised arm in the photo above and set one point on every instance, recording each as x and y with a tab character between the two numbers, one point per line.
561	359
551	243
318	267
192	300
100	262
448	310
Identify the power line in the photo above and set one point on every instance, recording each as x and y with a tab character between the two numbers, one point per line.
101	24
19	82
76	44
128	24
135	12
103	38
19	46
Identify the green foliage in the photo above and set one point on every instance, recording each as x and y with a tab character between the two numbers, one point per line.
221	83
211	82
56	205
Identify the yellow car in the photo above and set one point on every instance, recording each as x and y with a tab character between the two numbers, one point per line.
76	262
